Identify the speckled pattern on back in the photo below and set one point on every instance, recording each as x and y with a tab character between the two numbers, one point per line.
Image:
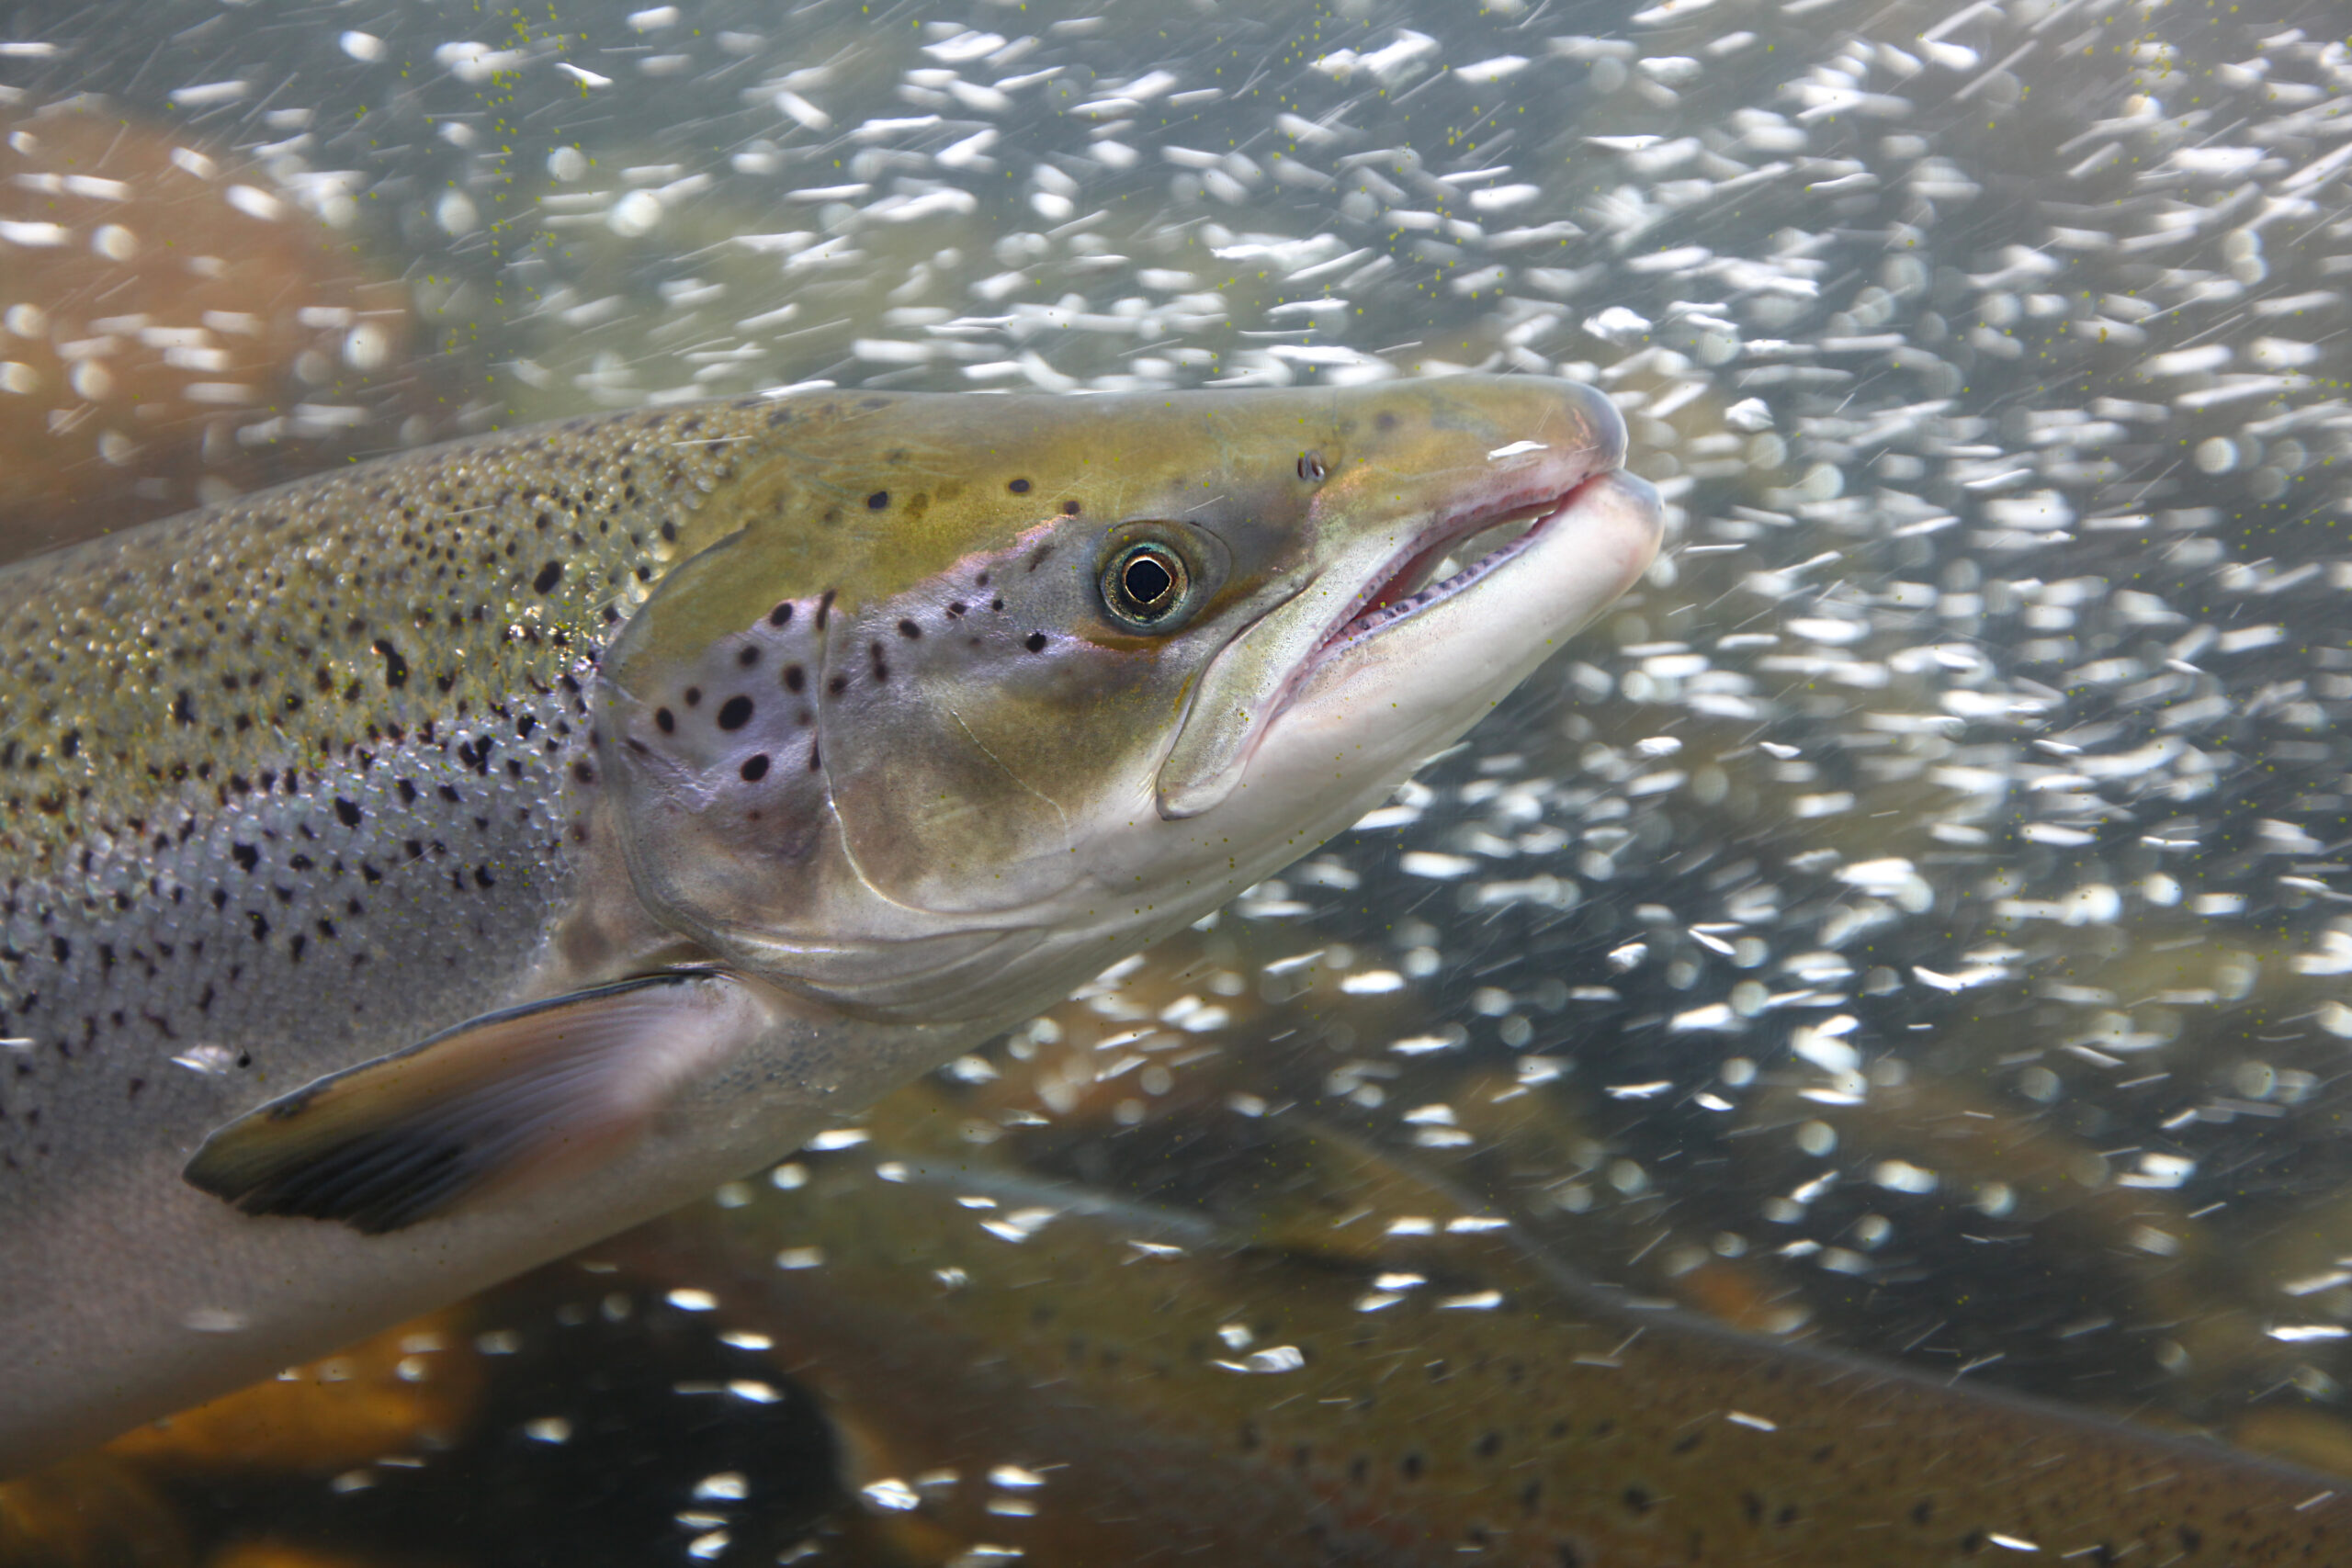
339	730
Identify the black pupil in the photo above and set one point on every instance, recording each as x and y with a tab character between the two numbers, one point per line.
1147	581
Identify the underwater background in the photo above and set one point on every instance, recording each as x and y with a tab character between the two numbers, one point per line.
1912	925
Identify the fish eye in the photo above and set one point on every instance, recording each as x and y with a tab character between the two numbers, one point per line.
1144	583
1310	468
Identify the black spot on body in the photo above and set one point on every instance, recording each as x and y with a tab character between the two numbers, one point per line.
755	767
549	575
395	667
735	713
665	721
1035	642
909	630
1019	487
184	709
781	615
748	655
1070	509
347	812
795	678
877	500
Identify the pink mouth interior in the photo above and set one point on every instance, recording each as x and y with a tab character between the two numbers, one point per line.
1403	591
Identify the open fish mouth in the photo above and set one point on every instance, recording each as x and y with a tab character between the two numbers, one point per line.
1450	555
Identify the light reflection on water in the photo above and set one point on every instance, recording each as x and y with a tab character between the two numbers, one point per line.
1912	920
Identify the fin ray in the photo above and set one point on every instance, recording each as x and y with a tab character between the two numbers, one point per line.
509	1098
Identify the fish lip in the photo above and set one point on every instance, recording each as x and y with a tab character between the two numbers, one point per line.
1540	506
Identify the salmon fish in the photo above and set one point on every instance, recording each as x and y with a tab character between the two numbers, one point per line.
1365	1371
416	873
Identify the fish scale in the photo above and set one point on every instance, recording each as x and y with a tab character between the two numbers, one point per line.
428	735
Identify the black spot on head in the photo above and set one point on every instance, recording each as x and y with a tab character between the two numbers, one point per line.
755	767
1019	487
825	607
735	713
795	677
837	685
877	500
665	721
1035	642
1070	509
909	630
693	696
955	607
549	575
748	655
781	615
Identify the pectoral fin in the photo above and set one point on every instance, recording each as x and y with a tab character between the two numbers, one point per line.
520	1096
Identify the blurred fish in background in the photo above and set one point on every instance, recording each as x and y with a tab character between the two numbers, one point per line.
179	327
1915	928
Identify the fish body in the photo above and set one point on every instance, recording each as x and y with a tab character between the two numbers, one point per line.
1299	1390
416	873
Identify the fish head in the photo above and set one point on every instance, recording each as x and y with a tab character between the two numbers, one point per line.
965	697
